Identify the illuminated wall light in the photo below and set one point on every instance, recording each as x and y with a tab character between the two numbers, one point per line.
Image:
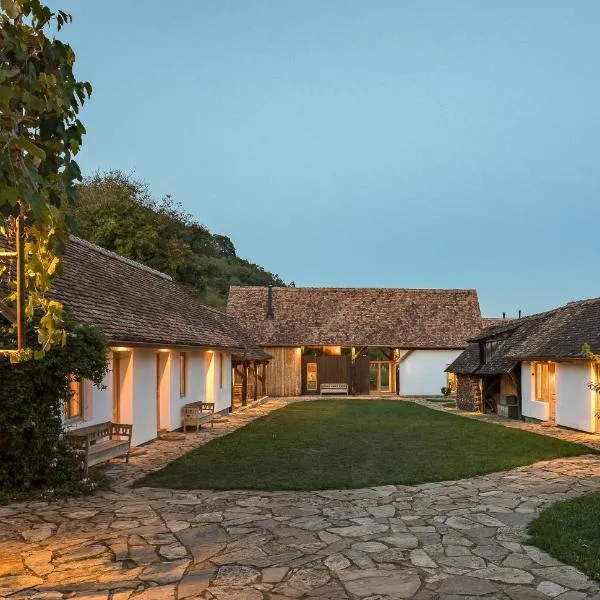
121	349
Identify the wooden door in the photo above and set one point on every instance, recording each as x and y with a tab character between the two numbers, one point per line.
361	375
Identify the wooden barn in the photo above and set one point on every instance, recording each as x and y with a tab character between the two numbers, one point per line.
374	340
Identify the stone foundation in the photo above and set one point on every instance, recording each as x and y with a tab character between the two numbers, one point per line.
468	393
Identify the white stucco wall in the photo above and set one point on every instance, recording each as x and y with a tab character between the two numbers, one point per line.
530	407
138	385
575	402
422	372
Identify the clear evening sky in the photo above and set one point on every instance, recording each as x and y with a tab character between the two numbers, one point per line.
449	143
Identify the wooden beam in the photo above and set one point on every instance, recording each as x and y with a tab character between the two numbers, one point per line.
21	330
405	356
8	255
245	385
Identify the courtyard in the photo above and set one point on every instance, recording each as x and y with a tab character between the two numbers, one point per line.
447	540
349	444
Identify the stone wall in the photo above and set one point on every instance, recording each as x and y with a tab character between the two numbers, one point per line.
468	393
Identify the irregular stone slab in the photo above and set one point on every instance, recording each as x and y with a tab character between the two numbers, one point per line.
466	586
550	588
236	575
193	584
370	547
419	558
39	562
359	530
203	542
14	584
165	572
161	592
11	565
274	574
406	541
569	577
504	574
233	593
394	584
337	562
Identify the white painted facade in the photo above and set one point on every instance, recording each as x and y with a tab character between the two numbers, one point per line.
422	372
145	389
575	403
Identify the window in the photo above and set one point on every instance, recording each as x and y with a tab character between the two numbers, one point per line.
544	381
221	373
452	383
182	374
73	406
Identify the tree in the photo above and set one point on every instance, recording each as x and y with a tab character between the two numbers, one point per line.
40	133
118	212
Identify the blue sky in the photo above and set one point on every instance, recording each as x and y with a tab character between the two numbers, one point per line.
388	143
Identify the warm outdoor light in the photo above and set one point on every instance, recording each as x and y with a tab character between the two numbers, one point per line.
121	349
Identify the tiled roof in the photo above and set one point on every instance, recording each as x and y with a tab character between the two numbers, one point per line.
553	335
134	304
400	318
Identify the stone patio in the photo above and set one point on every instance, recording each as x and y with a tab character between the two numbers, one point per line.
449	541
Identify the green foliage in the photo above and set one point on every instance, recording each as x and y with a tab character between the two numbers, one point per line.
446	391
345	444
36	458
40	133
120	214
570	531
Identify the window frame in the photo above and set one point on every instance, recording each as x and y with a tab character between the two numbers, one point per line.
76	398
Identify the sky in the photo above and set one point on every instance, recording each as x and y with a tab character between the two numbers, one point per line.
385	143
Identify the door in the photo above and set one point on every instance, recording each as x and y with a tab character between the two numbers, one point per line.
381	376
552	391
116	381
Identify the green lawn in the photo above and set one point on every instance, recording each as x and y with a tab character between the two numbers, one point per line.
570	531
341	444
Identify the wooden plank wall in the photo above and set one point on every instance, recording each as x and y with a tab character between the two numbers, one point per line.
284	371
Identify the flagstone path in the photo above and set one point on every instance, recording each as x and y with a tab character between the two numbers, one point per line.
455	540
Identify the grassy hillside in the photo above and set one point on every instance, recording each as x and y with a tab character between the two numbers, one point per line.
119	213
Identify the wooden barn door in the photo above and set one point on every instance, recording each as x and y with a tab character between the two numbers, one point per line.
360	379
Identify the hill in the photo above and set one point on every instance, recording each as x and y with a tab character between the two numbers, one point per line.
119	213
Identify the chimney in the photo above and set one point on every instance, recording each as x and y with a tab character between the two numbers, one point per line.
519	313
504	315
270	313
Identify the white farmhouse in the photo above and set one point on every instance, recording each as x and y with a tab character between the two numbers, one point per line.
536	368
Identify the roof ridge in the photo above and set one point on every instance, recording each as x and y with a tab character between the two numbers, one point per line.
347	288
111	254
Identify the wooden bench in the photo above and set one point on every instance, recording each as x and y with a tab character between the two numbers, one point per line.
334	388
198	413
99	443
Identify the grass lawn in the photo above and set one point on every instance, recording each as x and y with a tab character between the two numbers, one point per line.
570	531
341	444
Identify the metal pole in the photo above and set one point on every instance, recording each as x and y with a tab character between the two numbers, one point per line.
20	247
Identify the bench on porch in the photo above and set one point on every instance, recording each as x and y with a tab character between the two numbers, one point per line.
99	443
198	413
333	388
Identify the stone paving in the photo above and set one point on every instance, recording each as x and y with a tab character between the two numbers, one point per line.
455	540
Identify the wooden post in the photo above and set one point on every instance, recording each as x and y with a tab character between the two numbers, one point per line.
255	372
20	247
244	383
